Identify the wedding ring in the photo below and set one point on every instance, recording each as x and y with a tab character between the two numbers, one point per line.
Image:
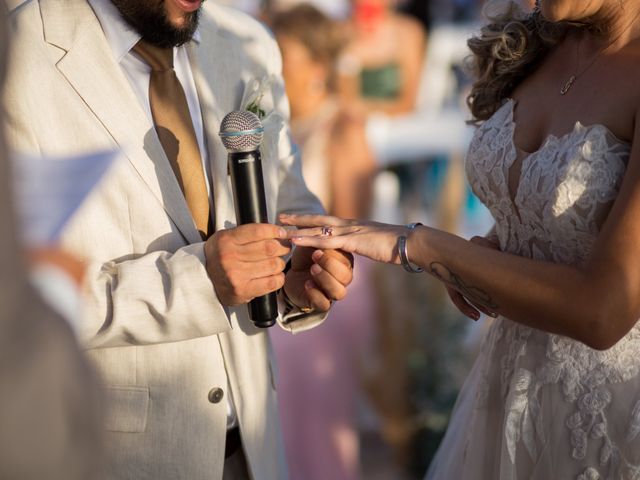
327	231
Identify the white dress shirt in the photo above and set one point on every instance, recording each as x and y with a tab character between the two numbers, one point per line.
122	38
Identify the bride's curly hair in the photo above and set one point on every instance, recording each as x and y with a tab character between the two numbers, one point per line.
507	50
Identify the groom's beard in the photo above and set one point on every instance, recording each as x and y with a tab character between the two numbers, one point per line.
150	20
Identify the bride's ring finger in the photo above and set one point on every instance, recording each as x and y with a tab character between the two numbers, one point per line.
314	220
325	231
311	232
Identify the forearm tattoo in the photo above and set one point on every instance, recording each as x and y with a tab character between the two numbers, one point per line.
473	294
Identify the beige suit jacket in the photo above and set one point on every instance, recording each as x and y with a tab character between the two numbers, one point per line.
159	336
49	418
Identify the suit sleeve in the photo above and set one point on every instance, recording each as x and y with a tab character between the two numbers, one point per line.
159	297
137	302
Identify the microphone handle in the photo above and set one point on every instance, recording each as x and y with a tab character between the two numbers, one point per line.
245	169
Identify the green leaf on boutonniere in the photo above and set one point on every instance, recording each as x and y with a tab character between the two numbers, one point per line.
254	107
258	89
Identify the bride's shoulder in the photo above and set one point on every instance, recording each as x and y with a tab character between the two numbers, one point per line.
630	57
623	72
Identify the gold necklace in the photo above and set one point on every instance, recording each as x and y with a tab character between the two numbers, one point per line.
572	79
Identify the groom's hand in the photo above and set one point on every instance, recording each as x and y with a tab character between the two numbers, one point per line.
318	277
245	262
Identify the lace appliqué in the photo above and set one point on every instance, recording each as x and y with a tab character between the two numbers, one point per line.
565	191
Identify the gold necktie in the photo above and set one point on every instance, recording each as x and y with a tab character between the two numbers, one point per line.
172	120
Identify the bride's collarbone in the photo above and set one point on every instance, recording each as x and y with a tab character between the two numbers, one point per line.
535	121
602	97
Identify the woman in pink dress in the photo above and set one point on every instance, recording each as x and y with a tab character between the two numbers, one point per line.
318	381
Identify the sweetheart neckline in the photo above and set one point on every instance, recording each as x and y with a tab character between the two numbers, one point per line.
514	197
578	126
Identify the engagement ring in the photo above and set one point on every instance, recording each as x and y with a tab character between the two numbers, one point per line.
327	231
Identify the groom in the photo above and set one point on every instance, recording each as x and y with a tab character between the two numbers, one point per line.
189	380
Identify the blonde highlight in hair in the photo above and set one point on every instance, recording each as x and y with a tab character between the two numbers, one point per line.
319	34
507	50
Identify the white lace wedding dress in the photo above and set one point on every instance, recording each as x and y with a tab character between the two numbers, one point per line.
535	405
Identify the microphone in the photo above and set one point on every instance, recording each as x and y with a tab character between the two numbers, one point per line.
241	133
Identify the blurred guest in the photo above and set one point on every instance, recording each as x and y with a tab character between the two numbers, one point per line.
455	11
381	69
336	9
337	165
318	383
252	7
48	406
421	9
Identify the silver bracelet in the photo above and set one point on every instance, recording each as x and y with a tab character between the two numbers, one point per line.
402	251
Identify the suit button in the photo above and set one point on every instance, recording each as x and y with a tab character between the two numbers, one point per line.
216	395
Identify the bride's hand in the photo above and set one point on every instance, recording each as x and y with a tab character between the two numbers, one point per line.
377	241
466	306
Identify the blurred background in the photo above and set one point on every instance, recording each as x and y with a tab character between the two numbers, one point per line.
377	91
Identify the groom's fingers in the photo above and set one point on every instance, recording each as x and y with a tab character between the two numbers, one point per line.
340	255
318	300
332	288
319	241
335	264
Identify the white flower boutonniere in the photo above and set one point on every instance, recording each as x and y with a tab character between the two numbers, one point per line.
258	98
254	95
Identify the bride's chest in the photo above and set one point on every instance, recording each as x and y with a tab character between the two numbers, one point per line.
574	175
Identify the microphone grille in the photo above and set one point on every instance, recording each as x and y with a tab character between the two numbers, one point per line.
241	131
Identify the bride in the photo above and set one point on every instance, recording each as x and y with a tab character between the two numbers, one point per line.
555	391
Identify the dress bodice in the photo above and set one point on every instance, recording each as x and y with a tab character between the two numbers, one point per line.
565	189
538	405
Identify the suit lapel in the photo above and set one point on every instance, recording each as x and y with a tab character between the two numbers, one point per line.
89	67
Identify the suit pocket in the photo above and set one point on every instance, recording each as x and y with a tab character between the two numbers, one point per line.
127	409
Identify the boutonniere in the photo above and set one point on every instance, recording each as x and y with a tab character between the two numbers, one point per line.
258	98
253	97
